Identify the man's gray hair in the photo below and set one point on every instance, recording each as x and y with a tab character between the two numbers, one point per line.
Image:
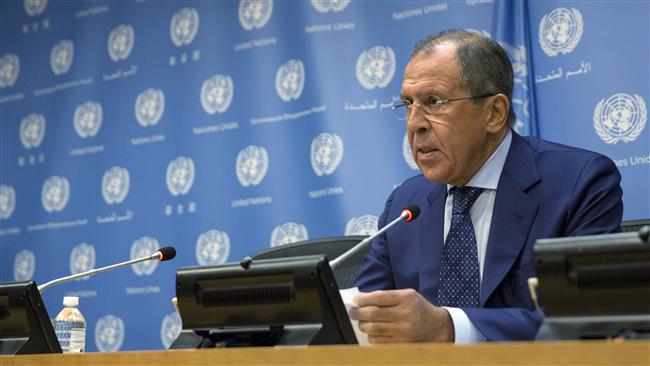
484	66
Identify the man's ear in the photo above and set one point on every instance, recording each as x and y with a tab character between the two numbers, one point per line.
498	110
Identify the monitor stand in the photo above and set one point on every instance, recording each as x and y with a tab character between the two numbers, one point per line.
300	334
11	346
595	327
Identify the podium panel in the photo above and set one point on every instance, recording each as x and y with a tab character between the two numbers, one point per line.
501	354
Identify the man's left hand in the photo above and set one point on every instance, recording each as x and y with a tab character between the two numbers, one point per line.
400	316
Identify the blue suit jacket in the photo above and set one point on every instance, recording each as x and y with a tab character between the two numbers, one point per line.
545	190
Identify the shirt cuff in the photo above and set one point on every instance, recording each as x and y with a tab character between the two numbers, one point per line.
464	329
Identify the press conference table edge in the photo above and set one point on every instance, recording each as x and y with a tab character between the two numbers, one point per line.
516	353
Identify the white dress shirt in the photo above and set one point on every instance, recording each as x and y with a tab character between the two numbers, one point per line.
481	213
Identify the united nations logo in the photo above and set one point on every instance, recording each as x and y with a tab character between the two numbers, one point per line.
254	13
184	26
212	248
115	185
180	175
61	57
34	7
621	117
120	42
560	31
7	201
216	94
109	333
290	80
252	165
520	96
326	153
520	124
88	119
288	233
408	153
144	247
149	107
362	225
55	193
324	6
518	59
9	69
82	259
32	130
376	67
170	328
24	265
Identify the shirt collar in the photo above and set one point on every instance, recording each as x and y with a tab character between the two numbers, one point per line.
488	176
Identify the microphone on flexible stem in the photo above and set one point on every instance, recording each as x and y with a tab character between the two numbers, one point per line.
409	213
163	254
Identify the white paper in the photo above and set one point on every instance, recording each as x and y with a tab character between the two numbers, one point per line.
347	295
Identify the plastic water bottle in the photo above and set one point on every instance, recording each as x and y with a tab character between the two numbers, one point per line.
70	326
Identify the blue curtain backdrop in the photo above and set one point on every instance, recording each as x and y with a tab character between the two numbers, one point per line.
226	127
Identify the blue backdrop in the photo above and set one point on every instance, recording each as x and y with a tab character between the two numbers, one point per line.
223	128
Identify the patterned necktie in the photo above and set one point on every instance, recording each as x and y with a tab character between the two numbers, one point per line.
459	271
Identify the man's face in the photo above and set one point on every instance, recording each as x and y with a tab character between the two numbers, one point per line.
452	144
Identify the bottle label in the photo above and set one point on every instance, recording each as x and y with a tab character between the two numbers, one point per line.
62	330
77	340
71	335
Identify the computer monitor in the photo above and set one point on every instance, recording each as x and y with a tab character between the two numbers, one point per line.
25	327
284	301
595	286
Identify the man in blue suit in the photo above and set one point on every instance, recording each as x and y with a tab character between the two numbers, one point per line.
459	272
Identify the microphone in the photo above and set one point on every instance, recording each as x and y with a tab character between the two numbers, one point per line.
409	213
163	254
166	253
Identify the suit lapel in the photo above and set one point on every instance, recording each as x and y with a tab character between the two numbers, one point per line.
431	226
513	215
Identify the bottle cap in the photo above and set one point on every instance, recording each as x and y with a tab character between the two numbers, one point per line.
70	301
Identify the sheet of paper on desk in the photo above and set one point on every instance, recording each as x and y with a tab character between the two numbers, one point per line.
347	295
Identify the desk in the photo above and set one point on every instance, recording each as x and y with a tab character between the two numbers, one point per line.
502	354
